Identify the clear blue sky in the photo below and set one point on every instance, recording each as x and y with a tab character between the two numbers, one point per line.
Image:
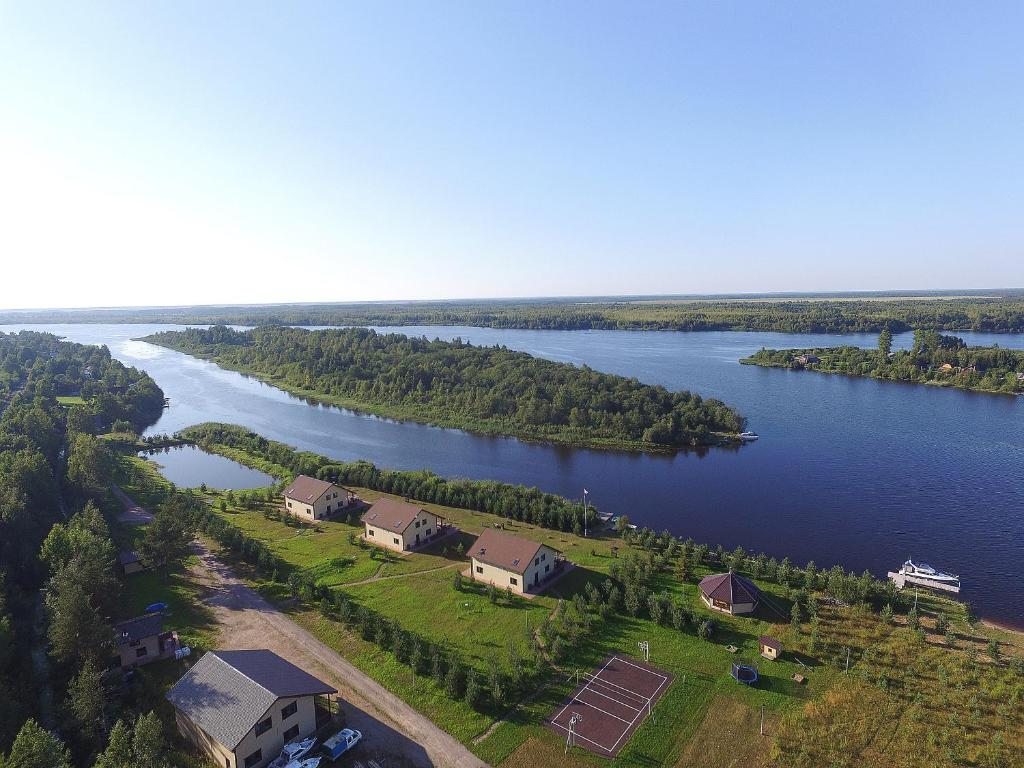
158	153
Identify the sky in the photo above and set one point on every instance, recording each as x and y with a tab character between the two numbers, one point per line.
246	152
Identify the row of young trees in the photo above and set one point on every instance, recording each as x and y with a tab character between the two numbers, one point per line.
54	534
516	502
485	389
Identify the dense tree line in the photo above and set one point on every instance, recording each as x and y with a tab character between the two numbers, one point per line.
486	389
934	358
517	502
1002	312
54	534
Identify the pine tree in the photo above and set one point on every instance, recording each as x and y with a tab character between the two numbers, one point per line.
35	747
118	753
148	741
87	701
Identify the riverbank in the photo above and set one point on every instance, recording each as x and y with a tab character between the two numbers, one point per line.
483	390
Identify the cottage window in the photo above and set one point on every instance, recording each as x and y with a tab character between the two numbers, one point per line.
547	567
254	758
369	531
513	580
417	525
263	726
536	561
429	532
289	505
290	710
140	652
543	555
479	569
396	541
291	733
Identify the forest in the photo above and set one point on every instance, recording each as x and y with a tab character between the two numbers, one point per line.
990	311
491	390
934	358
60	705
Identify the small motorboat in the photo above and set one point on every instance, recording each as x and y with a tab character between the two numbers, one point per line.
293	752
925	571
748	437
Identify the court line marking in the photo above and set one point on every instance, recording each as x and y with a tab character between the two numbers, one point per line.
584	688
578	700
611	698
581	736
623	691
651	700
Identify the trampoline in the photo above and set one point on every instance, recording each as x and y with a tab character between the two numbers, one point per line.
744	673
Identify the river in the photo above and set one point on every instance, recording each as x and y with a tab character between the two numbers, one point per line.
852	471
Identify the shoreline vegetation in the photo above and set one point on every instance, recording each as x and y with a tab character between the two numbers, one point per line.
934	359
873	656
485	390
999	311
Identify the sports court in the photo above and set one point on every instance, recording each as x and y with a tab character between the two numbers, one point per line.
610	703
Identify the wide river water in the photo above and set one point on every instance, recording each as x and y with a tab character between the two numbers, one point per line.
852	471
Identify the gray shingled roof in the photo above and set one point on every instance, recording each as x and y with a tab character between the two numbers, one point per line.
227	692
138	628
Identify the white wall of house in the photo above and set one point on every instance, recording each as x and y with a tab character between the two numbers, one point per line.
541	569
722	607
271	741
329	503
419	531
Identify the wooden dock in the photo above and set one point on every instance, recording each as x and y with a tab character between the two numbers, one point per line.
901	580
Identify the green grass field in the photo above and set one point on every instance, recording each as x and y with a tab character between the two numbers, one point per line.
705	718
69	400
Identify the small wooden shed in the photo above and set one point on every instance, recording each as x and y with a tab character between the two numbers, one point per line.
771	648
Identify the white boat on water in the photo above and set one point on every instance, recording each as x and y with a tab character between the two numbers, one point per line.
925	571
748	436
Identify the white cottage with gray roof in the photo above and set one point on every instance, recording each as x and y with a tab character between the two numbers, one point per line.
242	707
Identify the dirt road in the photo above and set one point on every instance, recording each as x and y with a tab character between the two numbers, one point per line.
247	620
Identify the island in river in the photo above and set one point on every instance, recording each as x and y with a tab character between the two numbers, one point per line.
934	359
489	390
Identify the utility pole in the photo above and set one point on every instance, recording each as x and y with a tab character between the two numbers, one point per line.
762	719
585	494
847	658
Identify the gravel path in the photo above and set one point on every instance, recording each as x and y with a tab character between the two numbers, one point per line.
247	620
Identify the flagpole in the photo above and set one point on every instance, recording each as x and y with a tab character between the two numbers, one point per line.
585	513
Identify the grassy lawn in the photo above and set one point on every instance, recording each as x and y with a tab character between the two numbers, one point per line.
417	591
902	690
69	400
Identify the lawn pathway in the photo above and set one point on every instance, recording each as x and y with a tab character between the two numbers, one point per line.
377	576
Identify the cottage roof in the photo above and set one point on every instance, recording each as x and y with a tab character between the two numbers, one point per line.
770	642
730	588
227	692
391	514
139	628
307	489
505	551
